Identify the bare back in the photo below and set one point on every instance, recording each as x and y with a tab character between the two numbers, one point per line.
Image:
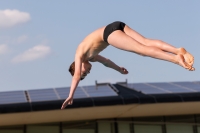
92	45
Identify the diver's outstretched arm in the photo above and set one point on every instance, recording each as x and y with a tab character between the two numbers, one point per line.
75	80
108	63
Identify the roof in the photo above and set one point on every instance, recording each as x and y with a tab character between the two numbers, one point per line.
101	94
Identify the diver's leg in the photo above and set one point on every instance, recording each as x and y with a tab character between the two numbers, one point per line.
159	44
122	41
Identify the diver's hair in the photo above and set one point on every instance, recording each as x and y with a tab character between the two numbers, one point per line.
72	69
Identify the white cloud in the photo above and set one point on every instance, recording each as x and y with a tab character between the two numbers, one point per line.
14	40
37	52
21	39
3	49
9	18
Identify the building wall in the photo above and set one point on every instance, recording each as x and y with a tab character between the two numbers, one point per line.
164	124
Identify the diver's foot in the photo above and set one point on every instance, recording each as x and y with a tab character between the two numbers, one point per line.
187	56
181	61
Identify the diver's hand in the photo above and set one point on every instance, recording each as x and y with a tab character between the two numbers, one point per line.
68	101
123	70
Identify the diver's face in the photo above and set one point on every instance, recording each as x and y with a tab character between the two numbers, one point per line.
85	69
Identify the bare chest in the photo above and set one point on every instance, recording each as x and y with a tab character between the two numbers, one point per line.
95	49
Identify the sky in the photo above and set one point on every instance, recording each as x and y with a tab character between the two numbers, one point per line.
38	40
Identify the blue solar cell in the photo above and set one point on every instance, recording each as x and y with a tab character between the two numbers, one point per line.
42	95
99	91
171	87
190	86
146	88
64	92
12	97
197	82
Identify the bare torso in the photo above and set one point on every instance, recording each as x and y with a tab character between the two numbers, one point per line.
92	45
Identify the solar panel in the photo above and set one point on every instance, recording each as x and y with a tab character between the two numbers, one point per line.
64	92
191	86
99	91
163	88
171	87
42	95
197	82
12	97
146	88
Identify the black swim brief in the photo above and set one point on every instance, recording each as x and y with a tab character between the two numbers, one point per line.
117	25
